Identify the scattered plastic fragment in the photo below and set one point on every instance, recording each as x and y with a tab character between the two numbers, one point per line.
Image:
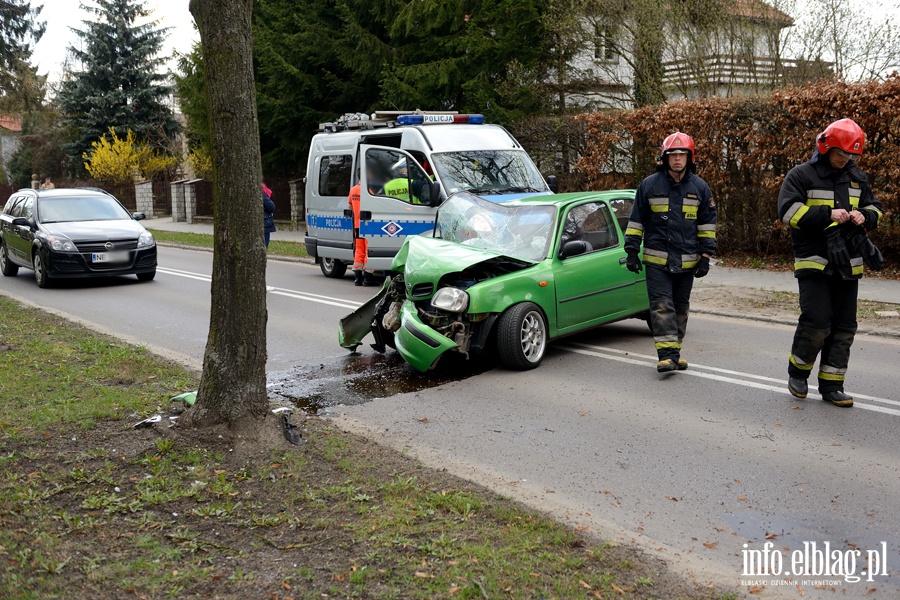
188	398
148	422
291	431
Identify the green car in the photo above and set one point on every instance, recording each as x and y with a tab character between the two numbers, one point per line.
505	278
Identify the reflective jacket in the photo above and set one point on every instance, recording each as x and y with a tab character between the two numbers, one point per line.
676	219
809	192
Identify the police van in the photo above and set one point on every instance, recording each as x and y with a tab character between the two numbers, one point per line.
407	164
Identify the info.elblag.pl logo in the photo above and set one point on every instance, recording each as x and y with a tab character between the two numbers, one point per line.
815	560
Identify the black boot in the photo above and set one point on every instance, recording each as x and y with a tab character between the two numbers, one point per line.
368	279
797	387
357	277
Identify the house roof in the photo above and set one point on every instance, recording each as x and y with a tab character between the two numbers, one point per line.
11	123
759	11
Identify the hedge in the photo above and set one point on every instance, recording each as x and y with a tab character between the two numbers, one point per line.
745	147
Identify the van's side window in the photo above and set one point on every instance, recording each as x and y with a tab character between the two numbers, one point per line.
335	173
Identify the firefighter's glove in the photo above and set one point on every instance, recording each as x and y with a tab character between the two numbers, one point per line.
702	267
633	263
837	248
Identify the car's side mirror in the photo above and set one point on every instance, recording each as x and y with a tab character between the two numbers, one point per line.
434	194
552	183
138	216
574	248
21	222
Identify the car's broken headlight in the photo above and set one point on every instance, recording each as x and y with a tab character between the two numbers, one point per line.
451	299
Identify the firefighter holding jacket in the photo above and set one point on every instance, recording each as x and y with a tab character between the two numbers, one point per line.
827	204
675	215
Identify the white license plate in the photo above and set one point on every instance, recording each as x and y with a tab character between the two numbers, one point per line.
98	257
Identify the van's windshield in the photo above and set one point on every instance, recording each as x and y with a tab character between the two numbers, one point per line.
486	172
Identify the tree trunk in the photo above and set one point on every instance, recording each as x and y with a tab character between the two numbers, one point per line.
233	384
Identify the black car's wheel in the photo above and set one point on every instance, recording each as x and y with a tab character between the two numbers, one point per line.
147	276
40	271
6	266
522	337
332	267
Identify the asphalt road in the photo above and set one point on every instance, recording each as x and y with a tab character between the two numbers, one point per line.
702	468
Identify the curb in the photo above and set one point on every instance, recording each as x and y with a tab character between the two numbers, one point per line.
784	321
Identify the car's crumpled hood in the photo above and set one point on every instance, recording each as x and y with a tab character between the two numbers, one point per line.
425	259
96	231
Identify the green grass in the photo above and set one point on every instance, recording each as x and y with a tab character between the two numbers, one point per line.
91	508
202	240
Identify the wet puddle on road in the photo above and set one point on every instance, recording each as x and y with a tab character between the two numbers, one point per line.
356	379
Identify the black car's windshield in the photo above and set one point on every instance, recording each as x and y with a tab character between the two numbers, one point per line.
488	172
517	231
75	208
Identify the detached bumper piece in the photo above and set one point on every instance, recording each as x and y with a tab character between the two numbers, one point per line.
418	344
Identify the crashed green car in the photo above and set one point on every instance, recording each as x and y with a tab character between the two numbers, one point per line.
506	278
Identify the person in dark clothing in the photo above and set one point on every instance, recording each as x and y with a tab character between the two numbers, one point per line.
268	213
675	215
826	202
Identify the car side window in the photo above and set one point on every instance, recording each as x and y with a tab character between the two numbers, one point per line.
592	223
13	206
28	208
390	173
622	209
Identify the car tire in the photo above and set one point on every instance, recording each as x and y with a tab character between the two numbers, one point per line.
522	337
147	276
7	267
41	277
332	267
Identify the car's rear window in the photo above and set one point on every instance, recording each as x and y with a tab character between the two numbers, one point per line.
60	210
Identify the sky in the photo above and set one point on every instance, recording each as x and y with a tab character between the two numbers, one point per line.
61	15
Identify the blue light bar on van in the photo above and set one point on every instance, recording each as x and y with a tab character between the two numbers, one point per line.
445	119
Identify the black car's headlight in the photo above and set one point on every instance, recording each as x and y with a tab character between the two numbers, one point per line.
146	240
60	243
451	299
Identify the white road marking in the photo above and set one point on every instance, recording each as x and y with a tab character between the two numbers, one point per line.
297	295
650	361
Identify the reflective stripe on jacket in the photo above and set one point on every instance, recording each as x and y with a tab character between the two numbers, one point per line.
675	219
809	193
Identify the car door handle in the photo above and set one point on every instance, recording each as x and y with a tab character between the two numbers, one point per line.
623	260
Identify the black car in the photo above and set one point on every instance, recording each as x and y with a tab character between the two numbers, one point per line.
71	233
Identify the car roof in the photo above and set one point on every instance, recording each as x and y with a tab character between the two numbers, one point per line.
67	192
563	200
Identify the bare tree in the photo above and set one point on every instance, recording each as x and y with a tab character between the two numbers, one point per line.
233	384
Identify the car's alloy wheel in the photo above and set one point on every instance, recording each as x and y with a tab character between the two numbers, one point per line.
332	267
6	266
146	276
522	337
40	271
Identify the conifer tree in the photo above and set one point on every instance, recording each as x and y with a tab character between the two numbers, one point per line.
118	83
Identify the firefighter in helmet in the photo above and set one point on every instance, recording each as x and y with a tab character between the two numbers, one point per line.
675	216
826	203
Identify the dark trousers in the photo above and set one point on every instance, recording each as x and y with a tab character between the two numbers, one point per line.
827	325
670	297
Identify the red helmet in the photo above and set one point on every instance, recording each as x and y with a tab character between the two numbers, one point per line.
844	134
678	141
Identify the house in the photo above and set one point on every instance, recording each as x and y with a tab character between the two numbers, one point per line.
738	51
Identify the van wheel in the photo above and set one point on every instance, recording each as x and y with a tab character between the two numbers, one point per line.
6	266
332	267
522	337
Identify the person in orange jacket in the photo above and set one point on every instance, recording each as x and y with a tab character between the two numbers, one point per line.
361	274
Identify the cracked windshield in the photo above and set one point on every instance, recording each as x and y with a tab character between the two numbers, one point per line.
517	231
488	172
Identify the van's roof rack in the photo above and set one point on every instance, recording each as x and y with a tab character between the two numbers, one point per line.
395	118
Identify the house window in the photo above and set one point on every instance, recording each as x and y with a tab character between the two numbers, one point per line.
604	43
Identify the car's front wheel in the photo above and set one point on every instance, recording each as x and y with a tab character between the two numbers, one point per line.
147	276
41	276
332	267
6	266
522	337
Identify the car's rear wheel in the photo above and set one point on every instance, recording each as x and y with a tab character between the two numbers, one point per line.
147	276
40	271
522	337
332	267
6	266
